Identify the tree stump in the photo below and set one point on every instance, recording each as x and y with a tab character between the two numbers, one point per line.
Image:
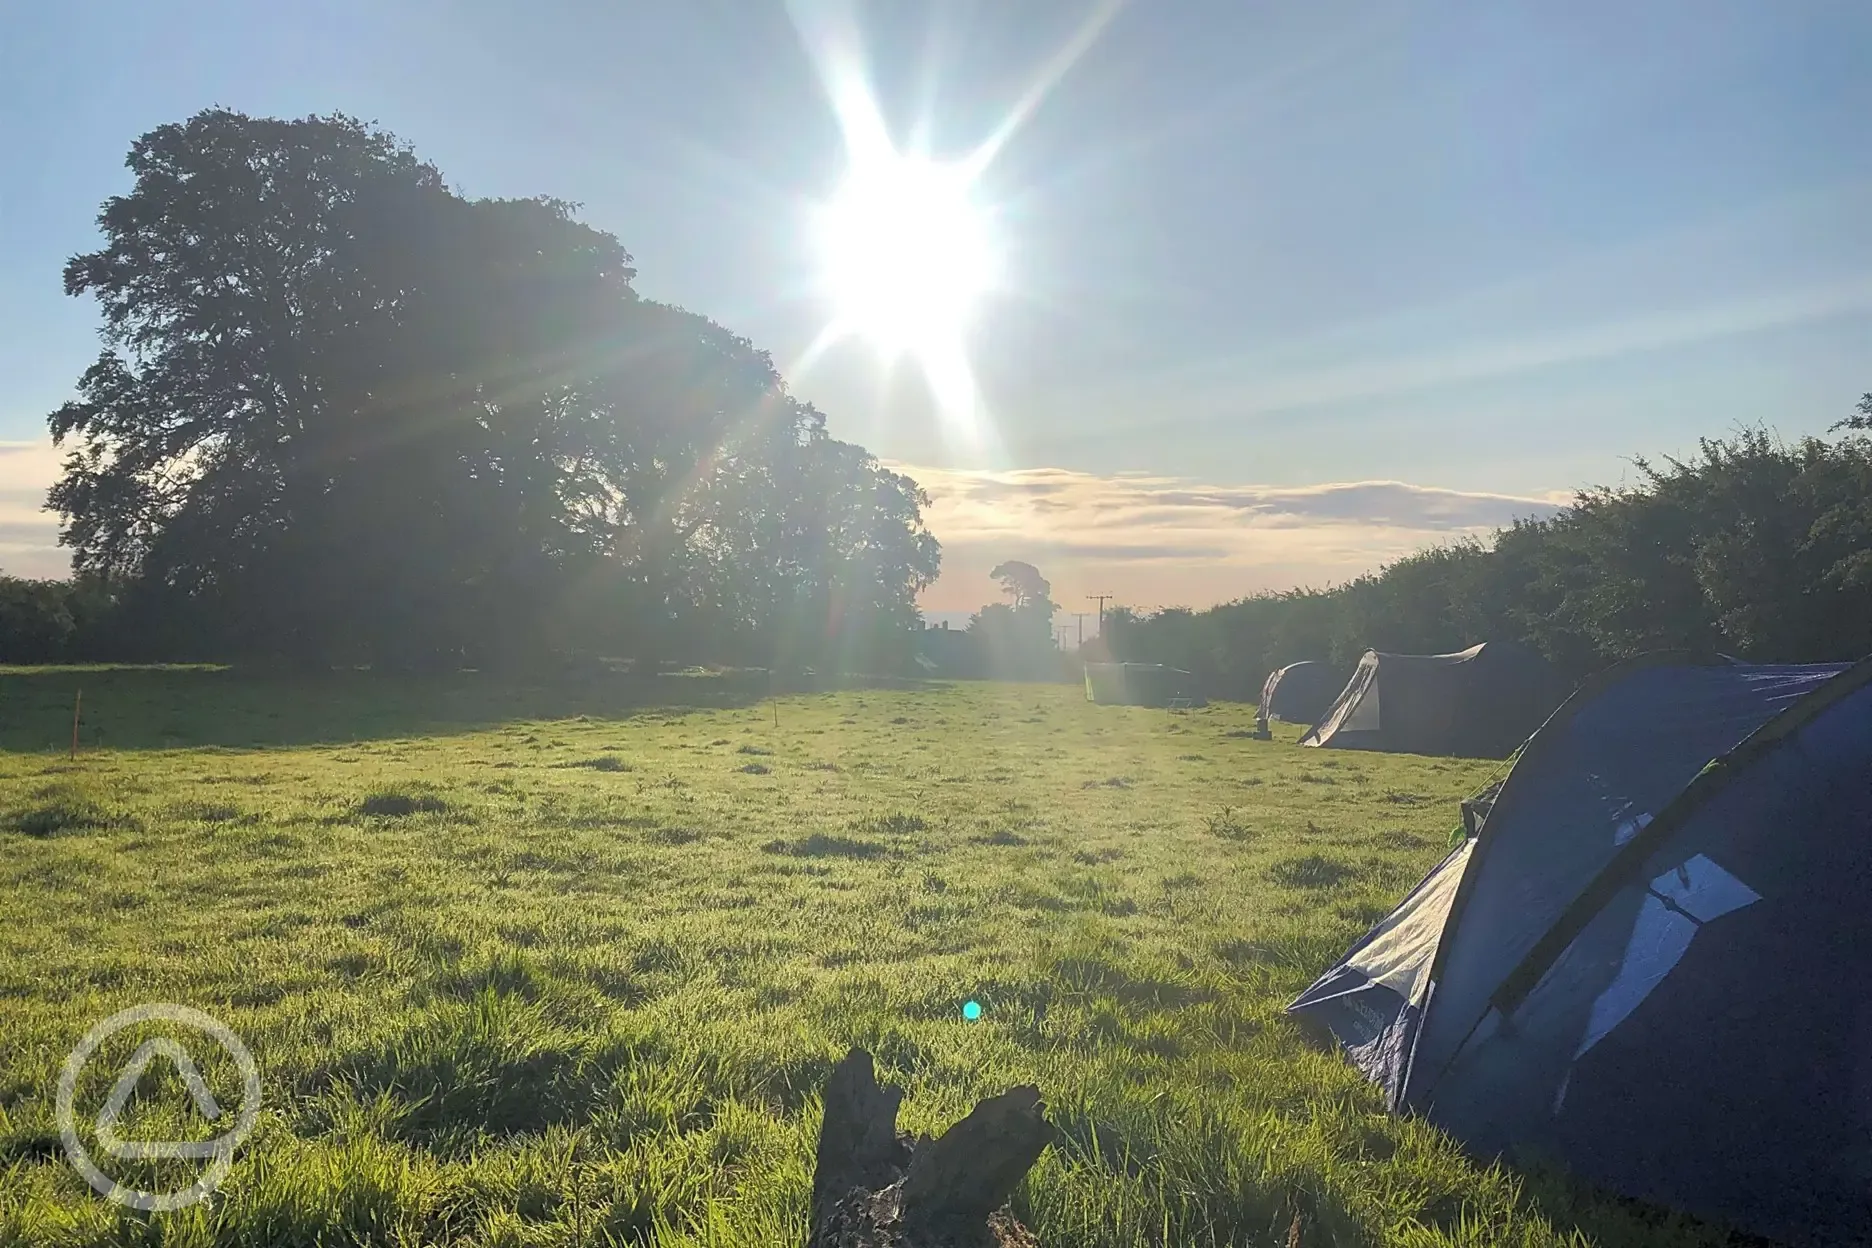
874	1188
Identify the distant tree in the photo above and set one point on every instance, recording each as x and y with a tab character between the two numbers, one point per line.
1016	637
1029	590
36	624
1117	635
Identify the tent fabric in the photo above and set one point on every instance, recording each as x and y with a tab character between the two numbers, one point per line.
1137	684
1300	692
1105	683
1479	703
1372	1001
1644	967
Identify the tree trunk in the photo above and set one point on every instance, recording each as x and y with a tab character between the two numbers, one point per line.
874	1188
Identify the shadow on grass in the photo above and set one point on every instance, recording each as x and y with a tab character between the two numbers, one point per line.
148	708
1604	1217
819	845
63	815
1313	871
402	805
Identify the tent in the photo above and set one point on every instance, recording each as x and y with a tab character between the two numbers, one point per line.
1645	964
1300	692
1479	703
1137	684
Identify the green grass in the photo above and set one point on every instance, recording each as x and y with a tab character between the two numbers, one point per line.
526	965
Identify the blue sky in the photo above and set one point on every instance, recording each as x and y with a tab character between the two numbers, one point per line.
1484	251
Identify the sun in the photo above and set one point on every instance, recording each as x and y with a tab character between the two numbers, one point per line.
906	253
906	249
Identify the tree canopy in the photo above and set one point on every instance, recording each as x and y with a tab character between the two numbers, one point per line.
1752	547
345	413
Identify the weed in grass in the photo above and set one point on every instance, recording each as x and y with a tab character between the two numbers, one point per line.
207	812
1227	823
898	823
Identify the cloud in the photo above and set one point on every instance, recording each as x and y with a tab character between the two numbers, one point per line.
1155	540
28	533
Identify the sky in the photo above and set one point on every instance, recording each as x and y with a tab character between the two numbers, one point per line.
1283	291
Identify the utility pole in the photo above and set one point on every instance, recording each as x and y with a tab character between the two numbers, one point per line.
1101	599
1079	619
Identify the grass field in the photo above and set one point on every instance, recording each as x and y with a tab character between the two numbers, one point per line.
565	966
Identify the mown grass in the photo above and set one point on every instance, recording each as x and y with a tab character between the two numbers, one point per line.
526	966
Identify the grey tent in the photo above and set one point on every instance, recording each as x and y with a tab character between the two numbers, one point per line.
1300	692
1137	684
1482	702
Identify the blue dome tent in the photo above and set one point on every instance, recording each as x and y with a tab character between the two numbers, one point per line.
1644	962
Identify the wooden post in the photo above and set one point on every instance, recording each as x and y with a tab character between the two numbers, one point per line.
873	1188
77	705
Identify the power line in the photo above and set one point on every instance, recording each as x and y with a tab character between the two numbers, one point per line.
1101	599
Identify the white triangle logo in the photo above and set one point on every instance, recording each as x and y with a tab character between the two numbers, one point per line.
205	1104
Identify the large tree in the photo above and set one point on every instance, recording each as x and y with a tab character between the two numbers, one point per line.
344	411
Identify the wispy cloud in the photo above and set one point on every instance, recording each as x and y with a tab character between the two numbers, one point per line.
1163	540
